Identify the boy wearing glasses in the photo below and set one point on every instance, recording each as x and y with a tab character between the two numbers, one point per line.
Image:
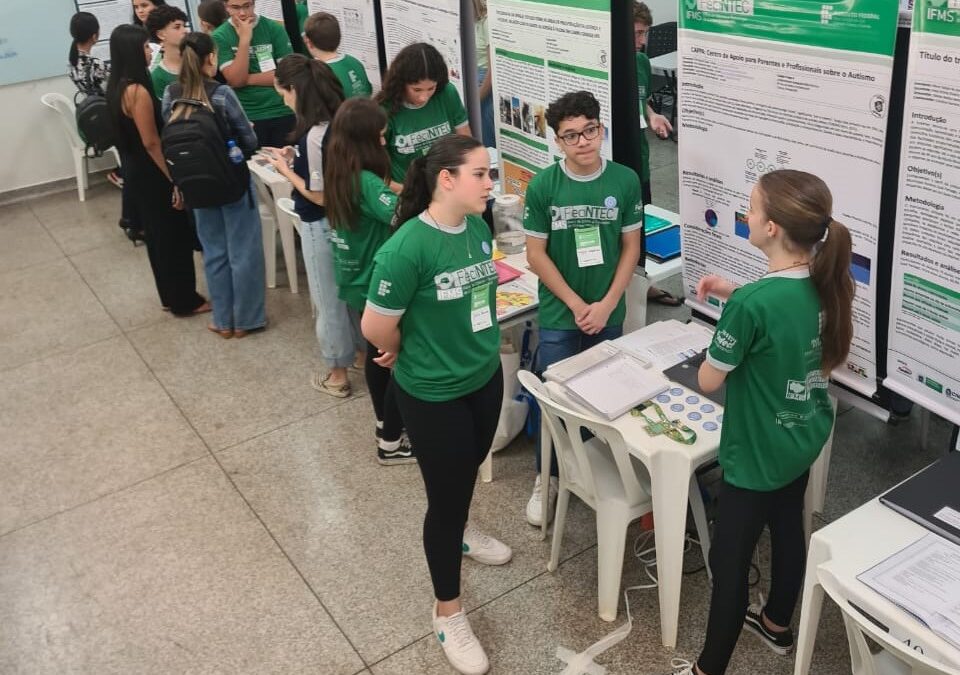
248	49
583	221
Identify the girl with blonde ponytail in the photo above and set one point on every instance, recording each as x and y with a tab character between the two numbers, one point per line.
776	343
230	234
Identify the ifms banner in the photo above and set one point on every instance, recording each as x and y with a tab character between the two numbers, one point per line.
766	85
923	362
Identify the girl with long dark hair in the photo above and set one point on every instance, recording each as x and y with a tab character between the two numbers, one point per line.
421	103
360	208
431	313
314	93
136	117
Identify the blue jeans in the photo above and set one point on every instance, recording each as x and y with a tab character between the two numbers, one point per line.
556	345
339	337
233	262
488	133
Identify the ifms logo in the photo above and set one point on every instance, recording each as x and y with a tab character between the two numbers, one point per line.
946	11
695	8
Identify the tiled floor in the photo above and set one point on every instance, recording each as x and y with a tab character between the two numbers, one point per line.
173	502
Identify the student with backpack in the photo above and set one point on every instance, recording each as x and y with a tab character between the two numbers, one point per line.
136	117
778	415
421	103
167	26
89	74
321	35
205	118
360	207
311	89
249	49
583	220
431	311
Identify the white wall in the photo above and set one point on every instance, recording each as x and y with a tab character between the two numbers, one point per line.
35	149
663	10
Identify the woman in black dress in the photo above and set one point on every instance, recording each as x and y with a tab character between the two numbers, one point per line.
136	116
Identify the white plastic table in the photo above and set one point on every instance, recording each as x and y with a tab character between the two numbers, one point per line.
846	548
279	187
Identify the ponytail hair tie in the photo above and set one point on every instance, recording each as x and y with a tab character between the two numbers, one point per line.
826	227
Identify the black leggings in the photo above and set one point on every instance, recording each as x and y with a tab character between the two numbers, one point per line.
450	439
741	517
383	395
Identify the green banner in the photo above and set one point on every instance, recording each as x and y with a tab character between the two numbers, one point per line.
849	25
937	16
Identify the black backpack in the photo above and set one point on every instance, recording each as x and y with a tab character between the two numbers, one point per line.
94	124
195	148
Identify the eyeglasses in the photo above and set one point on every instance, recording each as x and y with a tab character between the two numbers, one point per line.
245	7
641	31
573	137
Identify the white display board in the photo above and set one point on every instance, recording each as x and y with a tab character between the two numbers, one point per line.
542	49
923	363
358	32
113	13
772	86
436	22
30	48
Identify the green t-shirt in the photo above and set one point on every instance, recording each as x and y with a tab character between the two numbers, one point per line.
643	93
352	75
268	45
777	414
303	13
593	210
443	284
162	78
411	131
354	248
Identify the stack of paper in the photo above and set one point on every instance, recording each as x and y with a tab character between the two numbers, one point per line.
923	579
666	343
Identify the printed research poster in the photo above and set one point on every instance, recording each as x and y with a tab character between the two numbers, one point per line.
436	22
924	335
358	32
767	85
540	51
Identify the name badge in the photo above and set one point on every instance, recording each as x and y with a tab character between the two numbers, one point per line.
589	250
264	54
480	317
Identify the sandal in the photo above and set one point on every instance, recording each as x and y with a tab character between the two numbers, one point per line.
662	297
335	390
225	333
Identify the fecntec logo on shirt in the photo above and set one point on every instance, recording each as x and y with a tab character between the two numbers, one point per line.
407	144
450	285
565	217
798	390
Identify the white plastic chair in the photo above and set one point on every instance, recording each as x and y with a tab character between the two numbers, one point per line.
285	204
603	474
68	119
636	300
896	658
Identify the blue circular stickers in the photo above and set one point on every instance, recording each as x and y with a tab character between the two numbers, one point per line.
692	400
676	391
710	426
663	398
677	407
707	408
695	416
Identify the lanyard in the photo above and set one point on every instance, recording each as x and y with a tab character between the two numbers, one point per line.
675	430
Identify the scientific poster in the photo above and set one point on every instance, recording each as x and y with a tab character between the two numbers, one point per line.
542	49
272	9
113	13
358	32
436	22
766	85
923	363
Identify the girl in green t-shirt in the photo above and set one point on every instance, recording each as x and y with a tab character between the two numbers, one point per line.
360	208
431	312
776	343
421	103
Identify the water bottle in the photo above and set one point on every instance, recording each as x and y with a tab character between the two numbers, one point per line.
508	224
234	153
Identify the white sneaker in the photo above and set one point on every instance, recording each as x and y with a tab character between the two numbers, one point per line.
461	647
681	667
535	505
484	548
